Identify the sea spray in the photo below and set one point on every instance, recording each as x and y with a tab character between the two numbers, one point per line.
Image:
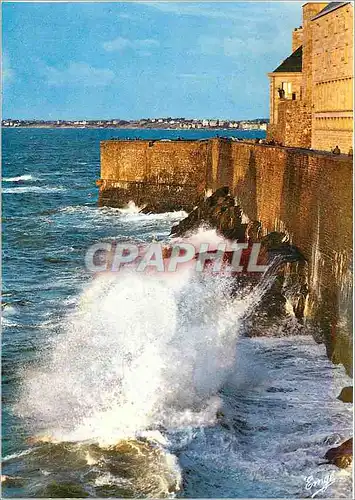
134	373
141	352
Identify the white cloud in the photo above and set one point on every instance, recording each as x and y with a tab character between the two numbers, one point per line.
228	46
240	12
259	34
7	72
189	9
120	43
124	16
248	28
194	76
79	73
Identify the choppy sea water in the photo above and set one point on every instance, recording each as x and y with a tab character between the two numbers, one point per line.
142	386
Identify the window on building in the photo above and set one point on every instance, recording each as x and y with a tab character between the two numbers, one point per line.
287	87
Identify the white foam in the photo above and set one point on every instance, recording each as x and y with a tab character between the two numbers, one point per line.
17	455
5	322
140	352
129	215
32	189
108	478
8	310
140	217
131	208
203	235
20	178
133	212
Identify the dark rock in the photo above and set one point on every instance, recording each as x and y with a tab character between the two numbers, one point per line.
274	240
288	267
219	193
346	395
277	244
291	268
218	212
253	230
341	456
64	490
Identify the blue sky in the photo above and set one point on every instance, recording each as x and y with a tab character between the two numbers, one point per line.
132	60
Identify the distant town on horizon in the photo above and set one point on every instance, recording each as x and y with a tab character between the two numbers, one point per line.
168	122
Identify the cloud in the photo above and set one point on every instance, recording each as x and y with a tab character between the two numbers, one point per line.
231	46
249	27
124	16
238	12
194	76
79	73
8	74
254	38
190	9
120	44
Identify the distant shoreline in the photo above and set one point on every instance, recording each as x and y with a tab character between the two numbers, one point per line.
133	128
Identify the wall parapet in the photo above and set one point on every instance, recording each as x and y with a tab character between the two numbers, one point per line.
156	174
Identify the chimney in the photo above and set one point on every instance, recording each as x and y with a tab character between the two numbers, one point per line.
297	38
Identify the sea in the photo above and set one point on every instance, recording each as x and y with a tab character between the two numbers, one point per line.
131	385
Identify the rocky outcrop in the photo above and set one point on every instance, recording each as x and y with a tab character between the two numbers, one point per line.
341	456
219	212
346	395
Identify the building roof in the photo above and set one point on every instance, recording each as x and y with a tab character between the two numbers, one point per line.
293	64
329	8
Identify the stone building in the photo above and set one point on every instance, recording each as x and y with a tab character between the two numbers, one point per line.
311	92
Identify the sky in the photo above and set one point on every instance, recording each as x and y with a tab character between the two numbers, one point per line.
130	60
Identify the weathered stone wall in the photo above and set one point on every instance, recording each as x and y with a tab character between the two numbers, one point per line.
274	132
308	194
310	10
276	80
333	76
297	38
295	120
294	127
158	174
